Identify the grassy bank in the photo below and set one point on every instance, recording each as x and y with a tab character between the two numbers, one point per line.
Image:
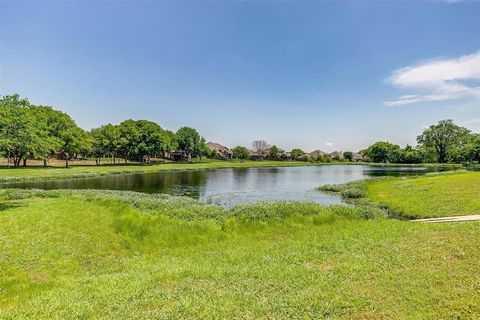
430	196
85	171
93	254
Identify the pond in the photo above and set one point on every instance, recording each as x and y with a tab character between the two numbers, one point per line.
231	186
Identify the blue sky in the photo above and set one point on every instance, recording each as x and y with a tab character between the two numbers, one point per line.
315	75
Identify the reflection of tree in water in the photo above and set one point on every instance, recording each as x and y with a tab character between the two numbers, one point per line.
232	185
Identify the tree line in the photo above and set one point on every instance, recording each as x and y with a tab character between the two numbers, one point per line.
29	131
444	142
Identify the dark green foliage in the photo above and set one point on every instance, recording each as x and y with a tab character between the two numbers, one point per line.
446	138
274	152
240	152
348	155
189	141
296	153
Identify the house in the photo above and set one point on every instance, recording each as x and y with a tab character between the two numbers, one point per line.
178	155
336	155
286	156
254	155
222	152
315	154
266	152
358	157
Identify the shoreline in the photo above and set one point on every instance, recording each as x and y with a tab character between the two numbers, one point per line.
11	175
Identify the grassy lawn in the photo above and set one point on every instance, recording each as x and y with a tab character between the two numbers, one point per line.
433	196
10	174
91	254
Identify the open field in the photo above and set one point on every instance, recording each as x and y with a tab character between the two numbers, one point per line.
430	196
92	254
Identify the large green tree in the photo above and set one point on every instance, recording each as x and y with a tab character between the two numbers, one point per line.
189	141
381	151
22	134
274	152
240	152
444	138
296	153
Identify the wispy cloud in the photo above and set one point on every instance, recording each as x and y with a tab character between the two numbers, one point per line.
472	121
443	79
329	144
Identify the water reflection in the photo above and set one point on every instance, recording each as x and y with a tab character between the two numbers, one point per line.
236	185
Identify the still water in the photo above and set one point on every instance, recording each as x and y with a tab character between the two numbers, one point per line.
228	187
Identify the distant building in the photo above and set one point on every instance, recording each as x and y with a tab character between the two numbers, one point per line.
358	157
222	152
316	153
336	155
178	155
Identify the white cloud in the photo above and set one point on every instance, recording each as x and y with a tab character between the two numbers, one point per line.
443	79
329	144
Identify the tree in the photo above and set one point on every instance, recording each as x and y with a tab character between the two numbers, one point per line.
22	135
72	140
241	153
274	152
189	141
296	153
52	124
171	143
150	140
259	145
443	137
473	154
129	137
348	155
97	150
110	140
382	151
203	150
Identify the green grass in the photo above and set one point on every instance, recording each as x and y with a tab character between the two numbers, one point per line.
430	196
101	254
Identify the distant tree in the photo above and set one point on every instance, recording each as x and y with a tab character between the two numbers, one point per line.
150	140
170	143
241	153
412	155
53	124
129	138
348	155
189	141
73	139
274	152
444	137
259	145
296	153
97	149
382	151
109	140
473	154
23	133
203	150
